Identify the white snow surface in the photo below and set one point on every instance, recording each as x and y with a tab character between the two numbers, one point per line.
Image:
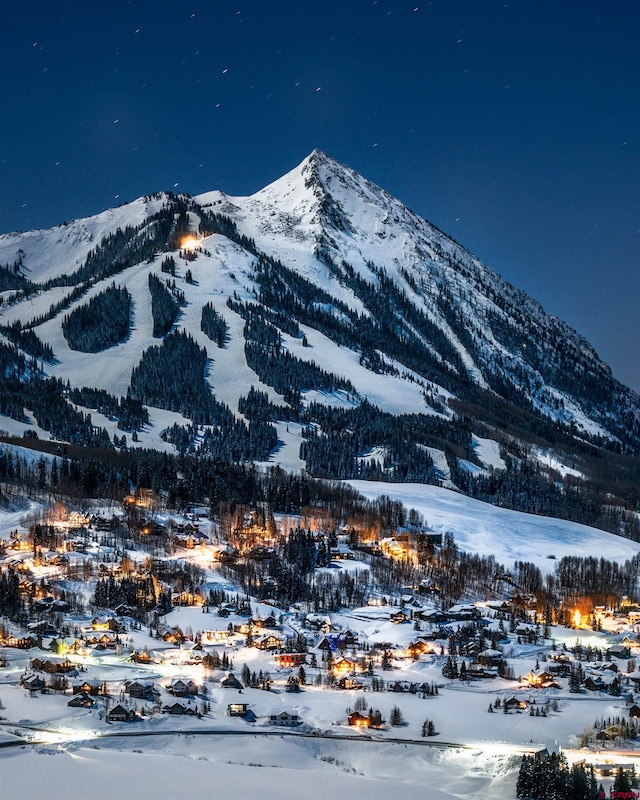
508	535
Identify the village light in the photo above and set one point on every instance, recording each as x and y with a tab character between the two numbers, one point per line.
190	243
577	616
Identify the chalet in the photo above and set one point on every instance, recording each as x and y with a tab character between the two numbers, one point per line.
490	658
515	704
140	691
374	720
34	683
52	666
141	657
634	711
269	642
216	636
179	709
182	687
195	656
68	644
174	636
342	666
187	598
463	612
349	682
92	688
290	659
540	680
632	641
560	658
562	670
230	682
284	719
397	617
22	642
225	554
341	551
499	605
81	700
430	615
268	622
105	641
594	684
618	651
42	628
237	709
477	670
123	610
318	623
107	624
416	648
121	713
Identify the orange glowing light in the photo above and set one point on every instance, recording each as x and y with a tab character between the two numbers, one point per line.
577	616
190	243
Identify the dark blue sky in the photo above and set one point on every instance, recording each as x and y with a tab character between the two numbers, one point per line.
512	126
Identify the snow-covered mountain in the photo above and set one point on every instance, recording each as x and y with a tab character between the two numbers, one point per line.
343	333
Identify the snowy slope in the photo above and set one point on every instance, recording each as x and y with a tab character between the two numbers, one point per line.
459	339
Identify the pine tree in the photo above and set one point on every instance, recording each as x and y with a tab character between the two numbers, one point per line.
396	718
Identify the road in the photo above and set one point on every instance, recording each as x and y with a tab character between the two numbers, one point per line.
39	736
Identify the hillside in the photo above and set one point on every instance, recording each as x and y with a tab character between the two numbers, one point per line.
319	325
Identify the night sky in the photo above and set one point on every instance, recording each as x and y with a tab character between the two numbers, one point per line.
512	126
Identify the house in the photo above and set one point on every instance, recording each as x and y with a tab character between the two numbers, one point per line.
54	666
103	641
399	617
374	720
268	622
182	687
416	648
342	666
174	636
22	642
348	682
216	635
594	684
230	682
269	642
340	551
179	709
92	688
123	610
237	709
34	683
618	651
490	658
539	680
107	624
121	713
634	711
140	691
516	704
42	628
81	700
141	657
290	659
476	670
284	719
